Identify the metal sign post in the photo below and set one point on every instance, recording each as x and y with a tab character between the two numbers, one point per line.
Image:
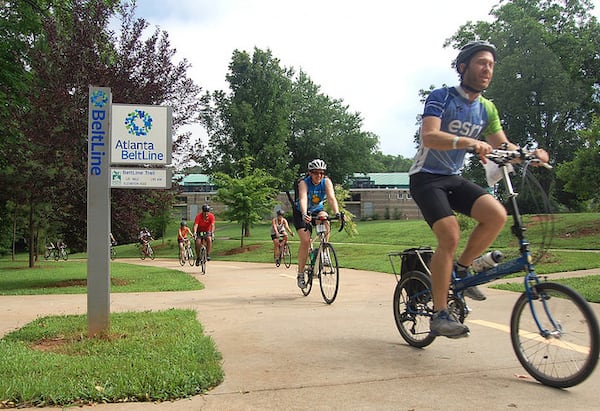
98	211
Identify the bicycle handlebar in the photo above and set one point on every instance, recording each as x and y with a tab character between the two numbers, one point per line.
314	219
503	156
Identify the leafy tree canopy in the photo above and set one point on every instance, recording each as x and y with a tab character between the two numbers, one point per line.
281	121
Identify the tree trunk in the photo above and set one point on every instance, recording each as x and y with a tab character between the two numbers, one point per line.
31	236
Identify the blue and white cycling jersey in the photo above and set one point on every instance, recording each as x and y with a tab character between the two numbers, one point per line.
460	117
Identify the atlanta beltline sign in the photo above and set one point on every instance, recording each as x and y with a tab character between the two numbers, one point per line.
141	134
128	135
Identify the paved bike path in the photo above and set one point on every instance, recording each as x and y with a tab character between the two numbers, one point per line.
284	351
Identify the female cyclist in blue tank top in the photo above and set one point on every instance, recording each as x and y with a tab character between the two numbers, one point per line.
313	191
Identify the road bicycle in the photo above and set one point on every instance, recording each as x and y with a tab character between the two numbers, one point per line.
203	254
61	252
553	330
51	252
187	254
113	251
147	252
323	261
285	254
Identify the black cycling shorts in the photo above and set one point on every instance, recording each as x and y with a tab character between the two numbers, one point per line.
299	222
438	196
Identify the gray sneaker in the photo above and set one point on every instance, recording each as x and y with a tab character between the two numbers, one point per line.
474	293
301	283
444	324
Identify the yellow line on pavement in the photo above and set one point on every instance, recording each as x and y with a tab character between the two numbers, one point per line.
534	336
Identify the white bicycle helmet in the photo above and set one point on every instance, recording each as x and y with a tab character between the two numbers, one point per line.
317	164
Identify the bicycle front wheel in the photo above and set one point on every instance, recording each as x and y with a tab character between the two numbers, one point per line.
203	259
329	273
182	257
287	256
565	352
151	253
413	308
113	253
190	256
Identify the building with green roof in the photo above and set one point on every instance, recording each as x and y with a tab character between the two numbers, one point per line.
372	196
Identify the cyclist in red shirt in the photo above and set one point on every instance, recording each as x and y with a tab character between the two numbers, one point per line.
204	230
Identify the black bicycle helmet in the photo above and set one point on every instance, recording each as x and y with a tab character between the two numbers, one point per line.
182	224
317	164
469	50
206	208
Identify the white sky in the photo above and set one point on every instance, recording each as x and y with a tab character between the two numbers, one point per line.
374	55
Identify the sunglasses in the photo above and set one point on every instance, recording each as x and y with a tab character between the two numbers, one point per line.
320	173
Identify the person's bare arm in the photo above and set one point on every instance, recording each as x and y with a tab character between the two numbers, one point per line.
303	199
331	200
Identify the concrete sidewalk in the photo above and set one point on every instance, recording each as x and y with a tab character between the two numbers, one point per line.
282	350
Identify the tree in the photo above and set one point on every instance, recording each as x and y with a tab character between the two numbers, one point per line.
76	48
324	128
385	163
581	176
546	77
253	121
248	196
281	122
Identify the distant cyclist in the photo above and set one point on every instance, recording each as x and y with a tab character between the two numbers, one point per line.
145	237
279	229
182	236
313	191
204	230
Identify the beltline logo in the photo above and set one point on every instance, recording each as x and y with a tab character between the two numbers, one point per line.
98	99
132	126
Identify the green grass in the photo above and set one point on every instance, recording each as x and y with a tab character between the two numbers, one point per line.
69	277
150	356
588	287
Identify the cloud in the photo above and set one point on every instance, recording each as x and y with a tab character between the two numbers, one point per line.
375	56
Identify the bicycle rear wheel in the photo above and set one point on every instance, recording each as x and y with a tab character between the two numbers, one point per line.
329	273
413	308
567	352
203	259
287	256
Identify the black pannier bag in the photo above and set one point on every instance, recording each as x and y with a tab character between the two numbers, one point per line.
412	262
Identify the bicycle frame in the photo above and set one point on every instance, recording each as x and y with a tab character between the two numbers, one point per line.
321	229
282	243
521	263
